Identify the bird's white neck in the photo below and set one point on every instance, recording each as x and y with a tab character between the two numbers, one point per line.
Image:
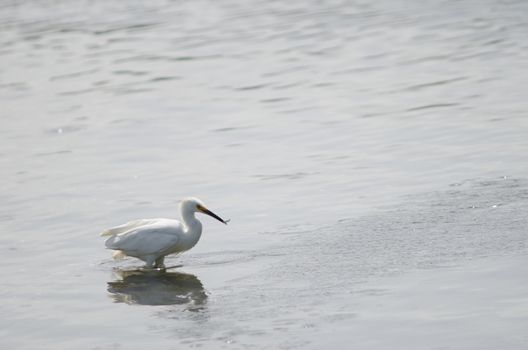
192	228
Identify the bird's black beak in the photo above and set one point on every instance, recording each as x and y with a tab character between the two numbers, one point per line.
210	213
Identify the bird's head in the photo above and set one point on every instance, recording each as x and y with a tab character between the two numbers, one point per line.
196	205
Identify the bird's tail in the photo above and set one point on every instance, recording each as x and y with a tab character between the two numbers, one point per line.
106	233
118	255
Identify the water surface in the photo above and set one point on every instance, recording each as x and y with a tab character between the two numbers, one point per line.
353	144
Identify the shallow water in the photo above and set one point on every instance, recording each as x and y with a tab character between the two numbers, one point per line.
349	142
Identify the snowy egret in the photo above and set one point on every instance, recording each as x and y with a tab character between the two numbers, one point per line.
151	240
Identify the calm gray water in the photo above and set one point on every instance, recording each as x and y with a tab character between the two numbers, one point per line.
349	142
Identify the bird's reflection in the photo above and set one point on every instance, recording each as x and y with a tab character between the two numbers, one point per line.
158	287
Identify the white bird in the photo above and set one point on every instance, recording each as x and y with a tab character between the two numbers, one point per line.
151	240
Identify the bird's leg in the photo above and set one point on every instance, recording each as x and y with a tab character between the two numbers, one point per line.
149	263
160	262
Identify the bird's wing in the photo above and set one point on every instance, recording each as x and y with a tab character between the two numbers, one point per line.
149	239
128	226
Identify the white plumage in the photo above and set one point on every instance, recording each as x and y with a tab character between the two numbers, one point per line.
152	239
